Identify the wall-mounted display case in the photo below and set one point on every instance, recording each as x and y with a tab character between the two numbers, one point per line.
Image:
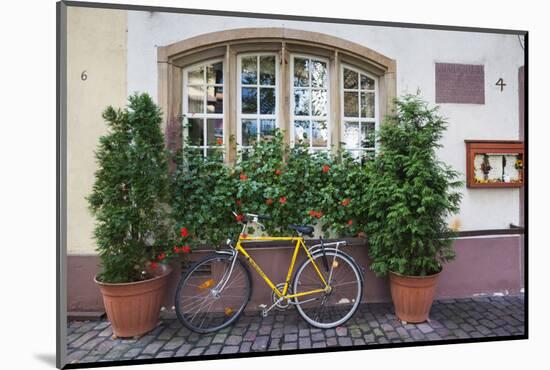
494	163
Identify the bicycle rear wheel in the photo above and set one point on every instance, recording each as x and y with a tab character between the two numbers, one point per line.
328	309
208	298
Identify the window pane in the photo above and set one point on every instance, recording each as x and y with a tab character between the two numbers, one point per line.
195	99
367	104
352	136
301	102
249	100
319	74
319	102
267	128
351	104
214	99
367	83
267	70
195	76
267	100
196	131
319	134
249	70
301	72
367	134
214	131
249	132
214	73
350	79
301	131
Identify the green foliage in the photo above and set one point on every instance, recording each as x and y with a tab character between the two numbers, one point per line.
292	185
410	193
131	191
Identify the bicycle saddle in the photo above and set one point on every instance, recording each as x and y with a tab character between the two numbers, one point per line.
303	229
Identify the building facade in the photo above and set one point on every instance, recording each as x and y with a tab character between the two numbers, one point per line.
228	81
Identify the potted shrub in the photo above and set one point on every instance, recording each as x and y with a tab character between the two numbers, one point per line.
129	200
409	198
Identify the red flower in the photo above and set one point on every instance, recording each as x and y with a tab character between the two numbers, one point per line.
239	218
269	201
277	172
243	177
176	249
319	214
185	249
345	202
326	168
244	236
312	213
161	256
219	141
238	202
154	265
184	232
282	200
350	222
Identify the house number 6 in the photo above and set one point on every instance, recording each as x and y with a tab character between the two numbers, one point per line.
83	76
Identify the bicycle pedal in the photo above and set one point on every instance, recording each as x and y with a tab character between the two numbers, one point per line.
263	310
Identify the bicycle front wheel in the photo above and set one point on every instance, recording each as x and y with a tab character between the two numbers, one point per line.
211	295
334	307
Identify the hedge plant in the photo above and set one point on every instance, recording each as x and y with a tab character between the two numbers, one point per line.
131	193
410	194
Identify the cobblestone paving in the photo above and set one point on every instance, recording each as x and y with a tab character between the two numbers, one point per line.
372	324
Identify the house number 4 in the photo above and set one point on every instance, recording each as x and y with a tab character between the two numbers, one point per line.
500	83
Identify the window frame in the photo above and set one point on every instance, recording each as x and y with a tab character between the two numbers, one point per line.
204	116
256	116
359	119
290	93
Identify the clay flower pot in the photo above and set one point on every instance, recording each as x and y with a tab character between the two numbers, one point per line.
412	296
133	308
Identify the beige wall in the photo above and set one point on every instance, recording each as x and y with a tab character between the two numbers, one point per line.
96	43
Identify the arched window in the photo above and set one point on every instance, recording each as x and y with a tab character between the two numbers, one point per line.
359	111
203	105
235	87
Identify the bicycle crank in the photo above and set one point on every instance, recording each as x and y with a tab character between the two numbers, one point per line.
281	304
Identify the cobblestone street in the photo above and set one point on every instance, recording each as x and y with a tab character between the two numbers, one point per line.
372	324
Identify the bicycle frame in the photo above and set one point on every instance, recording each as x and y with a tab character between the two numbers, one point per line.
299	243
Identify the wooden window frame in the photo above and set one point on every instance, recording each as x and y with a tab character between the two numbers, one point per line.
229	44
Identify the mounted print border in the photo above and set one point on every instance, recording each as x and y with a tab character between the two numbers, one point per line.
247	143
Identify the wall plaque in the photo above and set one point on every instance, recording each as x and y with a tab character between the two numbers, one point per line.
459	83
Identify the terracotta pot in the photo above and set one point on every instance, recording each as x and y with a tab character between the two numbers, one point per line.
133	308
412	296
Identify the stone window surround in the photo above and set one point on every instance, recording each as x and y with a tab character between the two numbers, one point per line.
173	58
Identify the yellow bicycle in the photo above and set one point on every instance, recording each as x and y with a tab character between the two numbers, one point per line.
326	288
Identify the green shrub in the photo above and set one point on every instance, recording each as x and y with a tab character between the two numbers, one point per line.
130	192
410	193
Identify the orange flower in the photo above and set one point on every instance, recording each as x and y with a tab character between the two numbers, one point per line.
277	172
269	201
319	214
345	202
244	236
312	213
350	222
326	168
282	200
243	177
219	141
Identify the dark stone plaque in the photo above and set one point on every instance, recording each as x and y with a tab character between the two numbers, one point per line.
459	83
